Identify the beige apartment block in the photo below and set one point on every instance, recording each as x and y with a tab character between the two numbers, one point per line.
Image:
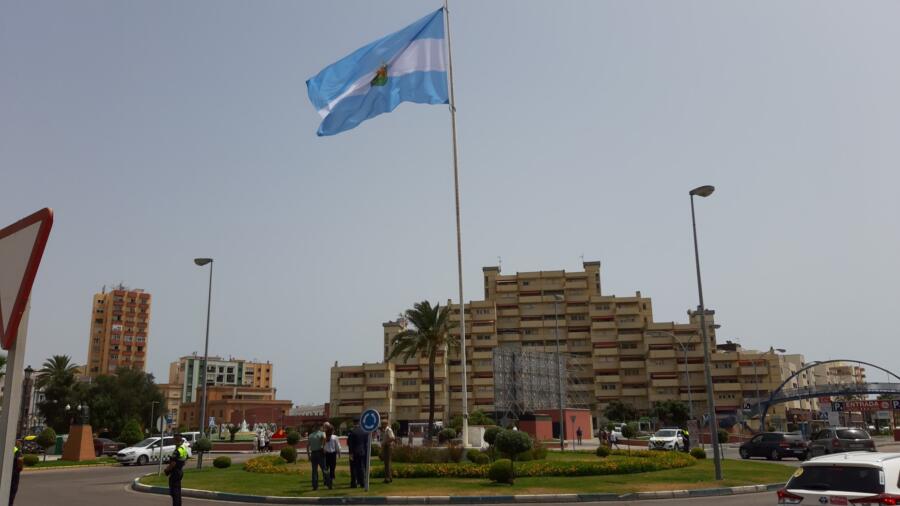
186	374
613	350
120	327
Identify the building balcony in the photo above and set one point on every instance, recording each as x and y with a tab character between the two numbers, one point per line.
664	382
529	299
629	323
511	312
668	367
633	392
727	387
601	325
351	381
607	378
661	354
632	364
380	394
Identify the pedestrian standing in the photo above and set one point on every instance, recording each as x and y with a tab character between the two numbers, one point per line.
332	452
175	470
18	464
316	452
356	450
613	440
387	445
578	434
262	440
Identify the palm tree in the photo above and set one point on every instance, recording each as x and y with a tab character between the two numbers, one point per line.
54	368
2	365
429	334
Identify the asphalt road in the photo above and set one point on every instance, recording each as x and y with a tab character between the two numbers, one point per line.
110	486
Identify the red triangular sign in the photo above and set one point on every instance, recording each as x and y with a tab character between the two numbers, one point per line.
21	248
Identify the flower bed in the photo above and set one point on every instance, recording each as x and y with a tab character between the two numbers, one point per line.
620	462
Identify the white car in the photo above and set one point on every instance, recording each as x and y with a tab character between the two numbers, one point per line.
148	451
667	439
852	478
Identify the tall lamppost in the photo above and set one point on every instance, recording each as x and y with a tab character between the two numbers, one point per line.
201	262
562	419
706	191
26	403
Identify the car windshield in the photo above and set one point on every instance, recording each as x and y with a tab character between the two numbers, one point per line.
852	434
146	442
665	433
838	478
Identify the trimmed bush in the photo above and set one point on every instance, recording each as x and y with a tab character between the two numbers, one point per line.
376	451
201	446
722	436
629	430
501	471
698	453
222	462
293	438
490	435
478	457
30	459
131	433
513	442
289	454
602	451
446	435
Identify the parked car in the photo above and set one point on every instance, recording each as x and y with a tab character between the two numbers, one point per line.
775	446
190	437
854	478
667	439
148	451
840	439
104	446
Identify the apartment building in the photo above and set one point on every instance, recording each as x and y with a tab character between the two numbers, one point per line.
613	350
119	330
186	371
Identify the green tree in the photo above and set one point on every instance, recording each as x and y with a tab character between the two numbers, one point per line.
55	368
512	443
57	378
671	413
121	397
46	439
430	333
204	445
131	433
619	411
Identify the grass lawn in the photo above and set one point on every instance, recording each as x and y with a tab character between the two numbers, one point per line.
236	480
71	463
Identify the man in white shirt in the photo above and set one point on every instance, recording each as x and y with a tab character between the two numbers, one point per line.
332	448
387	445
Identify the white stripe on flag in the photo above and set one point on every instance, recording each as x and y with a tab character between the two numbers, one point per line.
422	55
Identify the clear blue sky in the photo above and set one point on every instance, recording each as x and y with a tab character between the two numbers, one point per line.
164	130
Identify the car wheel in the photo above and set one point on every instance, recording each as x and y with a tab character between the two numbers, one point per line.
775	455
142	460
745	454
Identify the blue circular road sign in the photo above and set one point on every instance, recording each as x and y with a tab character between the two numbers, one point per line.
369	420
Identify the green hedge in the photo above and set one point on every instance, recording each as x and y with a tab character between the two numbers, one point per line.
641	463
222	462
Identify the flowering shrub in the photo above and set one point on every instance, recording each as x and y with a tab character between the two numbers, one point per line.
269	464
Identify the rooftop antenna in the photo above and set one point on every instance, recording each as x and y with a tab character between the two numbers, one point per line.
499	264
582	258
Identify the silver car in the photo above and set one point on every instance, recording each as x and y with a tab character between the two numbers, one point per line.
840	439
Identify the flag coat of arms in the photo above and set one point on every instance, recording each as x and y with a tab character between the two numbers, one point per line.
405	66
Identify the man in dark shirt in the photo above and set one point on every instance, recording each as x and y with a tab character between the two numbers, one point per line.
175	470
18	464
356	449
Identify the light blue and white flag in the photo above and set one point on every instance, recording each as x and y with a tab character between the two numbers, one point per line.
405	66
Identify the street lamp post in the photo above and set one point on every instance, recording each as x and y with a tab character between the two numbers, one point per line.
706	191
562	419
201	262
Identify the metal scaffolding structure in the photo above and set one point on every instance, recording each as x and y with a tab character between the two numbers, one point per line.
527	381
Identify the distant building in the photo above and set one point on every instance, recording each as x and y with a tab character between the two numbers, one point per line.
613	347
228	372
233	404
120	327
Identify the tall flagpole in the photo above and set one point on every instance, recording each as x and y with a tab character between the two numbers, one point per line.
462	305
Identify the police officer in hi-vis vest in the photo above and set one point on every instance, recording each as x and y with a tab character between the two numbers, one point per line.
18	464
175	470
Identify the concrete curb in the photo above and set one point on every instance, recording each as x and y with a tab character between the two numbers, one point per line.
137	486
